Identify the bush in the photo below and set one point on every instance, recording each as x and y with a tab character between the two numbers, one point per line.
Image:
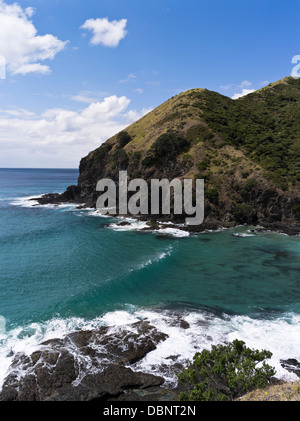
123	138
203	164
166	148
224	373
101	152
118	160
212	195
250	184
136	157
296	211
245	174
202	176
243	212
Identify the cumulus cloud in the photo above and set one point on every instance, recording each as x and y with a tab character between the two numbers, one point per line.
59	137
243	93
20	44
105	32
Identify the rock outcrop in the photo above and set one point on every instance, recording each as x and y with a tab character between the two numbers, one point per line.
85	366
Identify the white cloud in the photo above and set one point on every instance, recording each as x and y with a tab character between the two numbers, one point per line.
226	87
17	112
83	98
20	44
88	97
59	137
243	93
106	33
29	11
245	84
33	68
130	78
133	115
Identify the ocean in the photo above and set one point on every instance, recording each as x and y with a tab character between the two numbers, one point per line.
64	269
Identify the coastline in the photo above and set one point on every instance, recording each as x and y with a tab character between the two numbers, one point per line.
104	363
143	393
155	222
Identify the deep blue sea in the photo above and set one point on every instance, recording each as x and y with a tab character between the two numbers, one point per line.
64	269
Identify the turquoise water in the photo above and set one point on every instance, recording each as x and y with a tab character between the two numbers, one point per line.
64	268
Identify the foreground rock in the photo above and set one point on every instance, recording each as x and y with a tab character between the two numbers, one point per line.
292	365
84	366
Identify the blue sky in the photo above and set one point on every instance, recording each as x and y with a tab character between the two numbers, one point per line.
78	71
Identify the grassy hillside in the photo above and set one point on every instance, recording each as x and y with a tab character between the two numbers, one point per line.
264	126
247	151
289	392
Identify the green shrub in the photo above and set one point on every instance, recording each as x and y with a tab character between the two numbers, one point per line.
201	176
212	195
119	160
136	156
203	164
243	212
245	174
224	373
187	157
296	210
123	138
166	148
101	152
249	184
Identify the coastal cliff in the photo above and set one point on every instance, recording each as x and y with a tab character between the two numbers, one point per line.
246	150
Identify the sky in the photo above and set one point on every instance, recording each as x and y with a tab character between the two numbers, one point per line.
75	72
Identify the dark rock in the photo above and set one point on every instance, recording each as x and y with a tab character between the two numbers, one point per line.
123	224
150	394
292	365
51	198
184	324
110	383
84	365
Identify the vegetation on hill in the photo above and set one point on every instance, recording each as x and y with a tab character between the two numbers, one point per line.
247	151
264	124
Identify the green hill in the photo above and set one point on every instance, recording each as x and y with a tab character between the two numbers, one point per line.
247	151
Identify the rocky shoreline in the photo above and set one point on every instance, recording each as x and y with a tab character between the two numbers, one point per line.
86	366
155	223
96	365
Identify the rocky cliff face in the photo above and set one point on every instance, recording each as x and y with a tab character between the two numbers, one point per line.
246	150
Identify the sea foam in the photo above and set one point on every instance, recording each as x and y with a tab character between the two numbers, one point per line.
188	332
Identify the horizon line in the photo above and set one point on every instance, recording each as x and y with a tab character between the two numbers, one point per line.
37	168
